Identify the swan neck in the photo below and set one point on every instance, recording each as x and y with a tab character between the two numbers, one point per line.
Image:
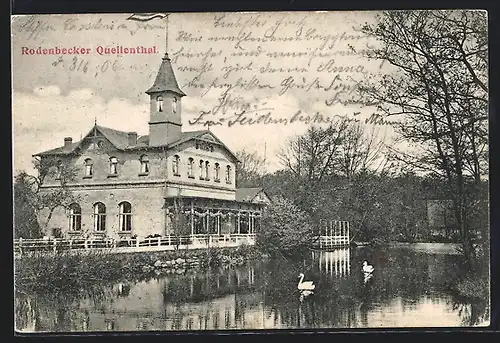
301	279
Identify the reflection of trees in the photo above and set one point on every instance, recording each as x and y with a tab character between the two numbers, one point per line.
472	313
204	299
58	311
346	301
210	284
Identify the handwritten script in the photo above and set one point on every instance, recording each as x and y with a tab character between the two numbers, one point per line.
243	68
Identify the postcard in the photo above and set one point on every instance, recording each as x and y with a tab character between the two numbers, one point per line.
250	171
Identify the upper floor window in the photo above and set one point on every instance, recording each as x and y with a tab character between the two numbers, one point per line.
89	167
99	217
202	170
125	216
113	166
144	164
190	167
228	174
159	103
174	105
175	165
207	170
217	172
75	217
59	171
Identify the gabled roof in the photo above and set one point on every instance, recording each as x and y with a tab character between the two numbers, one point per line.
119	139
248	194
165	79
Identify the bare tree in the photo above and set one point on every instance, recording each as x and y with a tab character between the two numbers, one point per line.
439	89
360	150
250	169
312	156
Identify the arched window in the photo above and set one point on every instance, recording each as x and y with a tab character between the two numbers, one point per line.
89	167
191	167
113	166
228	174
175	165
207	170
202	170
174	105
75	217
59	170
144	164
217	172
99	217
125	218
159	103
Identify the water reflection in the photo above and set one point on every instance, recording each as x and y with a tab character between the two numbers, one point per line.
406	289
333	263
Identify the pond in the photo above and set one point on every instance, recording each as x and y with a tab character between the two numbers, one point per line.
408	289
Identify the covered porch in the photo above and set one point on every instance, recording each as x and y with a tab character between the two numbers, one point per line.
211	219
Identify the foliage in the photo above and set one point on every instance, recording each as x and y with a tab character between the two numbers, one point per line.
285	229
26	225
32	199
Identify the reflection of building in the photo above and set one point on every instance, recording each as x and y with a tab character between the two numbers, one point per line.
170	181
334	263
194	302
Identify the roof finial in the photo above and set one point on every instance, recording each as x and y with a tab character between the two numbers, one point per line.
95	121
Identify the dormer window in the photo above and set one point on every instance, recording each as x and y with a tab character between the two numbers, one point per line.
174	105
159	103
144	164
113	166
175	165
89	168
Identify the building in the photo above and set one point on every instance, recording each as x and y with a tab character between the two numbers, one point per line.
167	182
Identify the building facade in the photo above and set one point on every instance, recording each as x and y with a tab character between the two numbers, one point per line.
167	182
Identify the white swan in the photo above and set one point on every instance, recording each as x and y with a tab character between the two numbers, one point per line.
305	286
367	268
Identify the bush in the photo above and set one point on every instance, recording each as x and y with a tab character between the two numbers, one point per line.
285	229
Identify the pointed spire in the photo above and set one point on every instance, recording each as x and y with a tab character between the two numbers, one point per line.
165	79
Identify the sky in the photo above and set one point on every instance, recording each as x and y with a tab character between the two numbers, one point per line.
277	63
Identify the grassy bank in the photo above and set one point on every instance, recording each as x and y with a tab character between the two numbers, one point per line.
82	269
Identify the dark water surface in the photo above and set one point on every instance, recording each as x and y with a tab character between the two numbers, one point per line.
408	288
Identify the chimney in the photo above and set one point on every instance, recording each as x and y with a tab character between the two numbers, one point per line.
68	141
132	138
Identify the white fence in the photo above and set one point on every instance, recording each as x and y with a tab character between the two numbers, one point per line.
167	242
333	234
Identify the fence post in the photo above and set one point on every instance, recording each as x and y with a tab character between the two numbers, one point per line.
159	241
70	244
137	242
169	240
55	245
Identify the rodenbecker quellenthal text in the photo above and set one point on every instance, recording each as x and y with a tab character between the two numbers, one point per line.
100	50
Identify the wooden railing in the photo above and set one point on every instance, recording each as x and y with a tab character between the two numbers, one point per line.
332	241
193	241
